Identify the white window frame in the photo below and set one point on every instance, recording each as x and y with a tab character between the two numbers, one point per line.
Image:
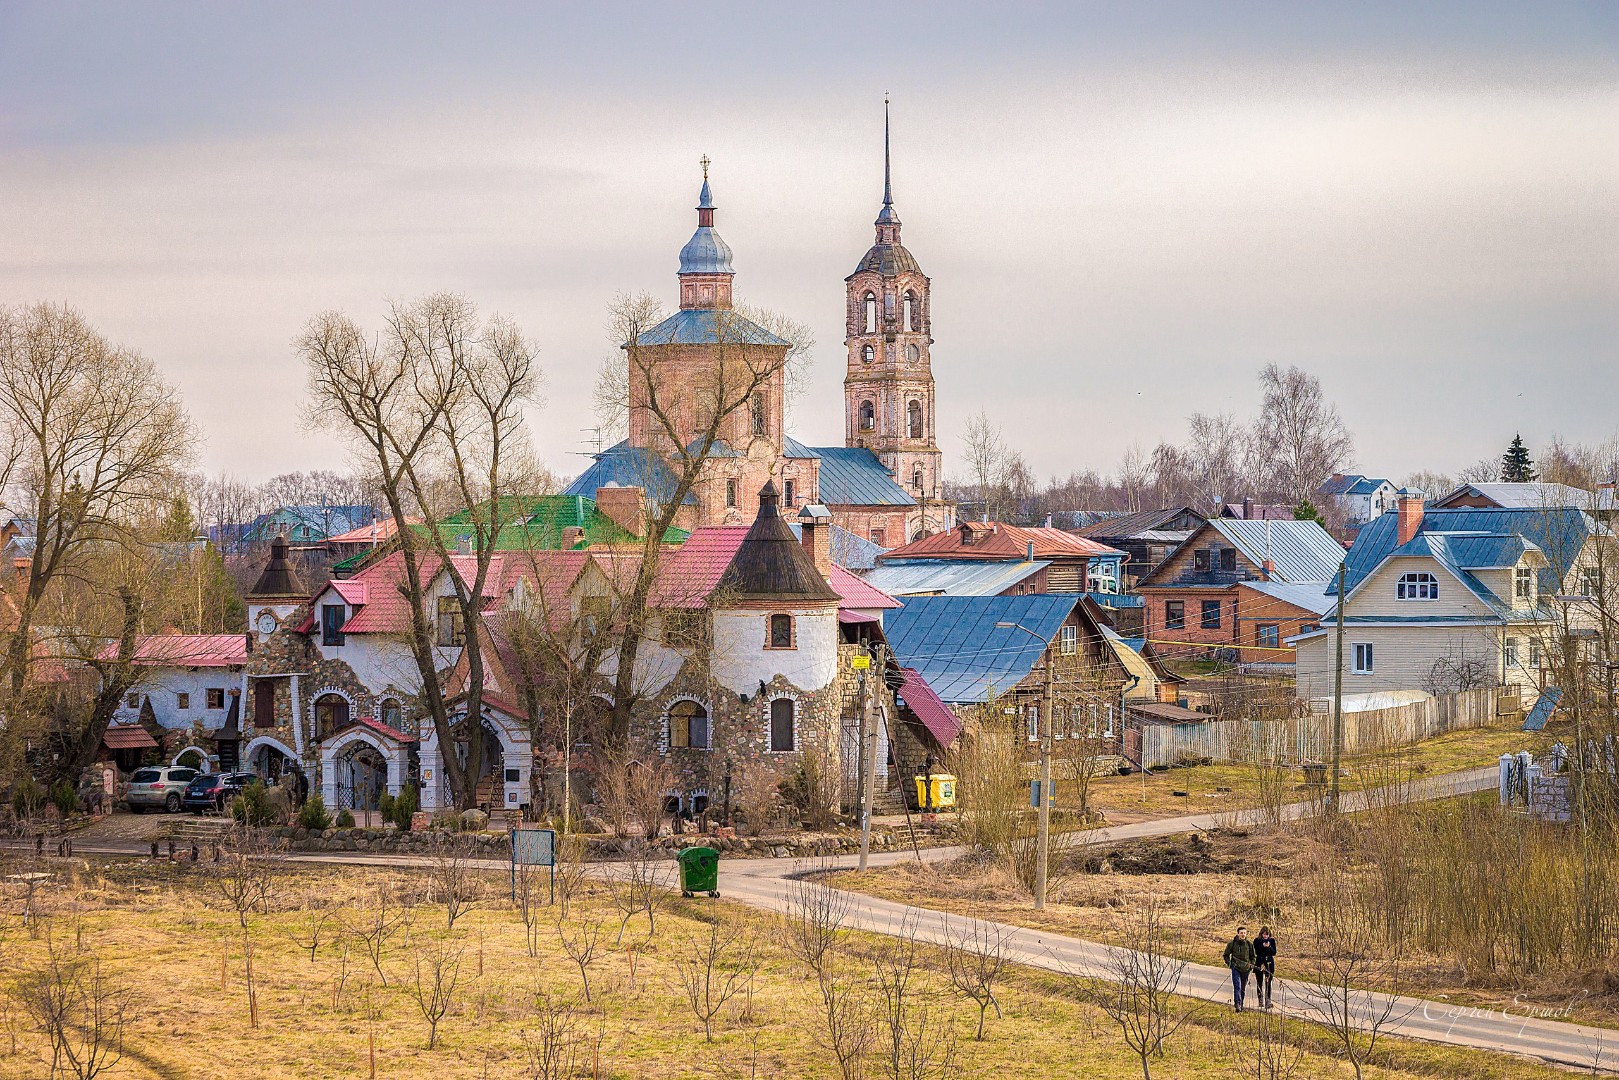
1417	585
1523	583
1031	722
1364	661
1068	640
1509	652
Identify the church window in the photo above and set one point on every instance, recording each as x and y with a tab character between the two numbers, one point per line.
910	311
916	478
868	354
789	492
758	414
868	416
730	493
913	417
912	353
871	313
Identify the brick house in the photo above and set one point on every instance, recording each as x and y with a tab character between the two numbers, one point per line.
1238	588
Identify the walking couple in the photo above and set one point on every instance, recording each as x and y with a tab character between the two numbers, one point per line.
1256	957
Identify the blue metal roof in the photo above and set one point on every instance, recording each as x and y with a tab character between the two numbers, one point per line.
623	465
852	476
1559	532
706	253
708	326
1309	595
792	448
1298	550
849	551
1367	485
955	645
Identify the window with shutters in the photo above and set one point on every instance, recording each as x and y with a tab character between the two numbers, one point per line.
688	726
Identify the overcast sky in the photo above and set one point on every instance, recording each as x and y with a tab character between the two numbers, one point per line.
1126	209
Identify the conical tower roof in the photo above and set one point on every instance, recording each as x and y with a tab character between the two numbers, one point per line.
278	580
771	564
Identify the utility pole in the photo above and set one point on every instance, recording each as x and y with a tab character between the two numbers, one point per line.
868	757
1043	838
1338	690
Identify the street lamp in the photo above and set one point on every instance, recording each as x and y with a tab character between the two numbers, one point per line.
1043	837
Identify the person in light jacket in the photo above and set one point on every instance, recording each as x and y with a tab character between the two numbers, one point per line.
1239	957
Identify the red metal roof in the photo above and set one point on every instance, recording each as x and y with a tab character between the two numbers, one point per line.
934	713
997	540
373	724
127	737
187	650
859	593
384	530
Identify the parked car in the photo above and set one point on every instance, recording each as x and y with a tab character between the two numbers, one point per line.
214	791
159	787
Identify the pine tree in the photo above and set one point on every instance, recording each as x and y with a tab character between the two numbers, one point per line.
1516	465
1306	511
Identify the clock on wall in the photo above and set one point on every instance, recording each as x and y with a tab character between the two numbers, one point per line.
267	622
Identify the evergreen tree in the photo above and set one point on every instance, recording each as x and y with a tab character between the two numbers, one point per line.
1516	465
1306	511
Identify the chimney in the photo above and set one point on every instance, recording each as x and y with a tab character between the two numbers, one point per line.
571	537
1247	508
1408	510
624	507
815	533
1267	568
1028	554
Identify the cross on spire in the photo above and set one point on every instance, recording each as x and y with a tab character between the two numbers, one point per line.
705	163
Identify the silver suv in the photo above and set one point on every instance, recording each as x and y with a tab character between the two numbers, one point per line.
160	786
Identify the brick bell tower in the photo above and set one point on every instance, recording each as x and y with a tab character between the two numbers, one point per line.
888	390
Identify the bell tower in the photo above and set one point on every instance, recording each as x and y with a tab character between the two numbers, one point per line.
888	388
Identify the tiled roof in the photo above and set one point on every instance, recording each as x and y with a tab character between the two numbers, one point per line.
127	737
770	563
954	642
688	574
999	541
187	650
852	476
352	589
709	326
934	713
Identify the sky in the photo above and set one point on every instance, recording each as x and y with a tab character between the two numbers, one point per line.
1125	209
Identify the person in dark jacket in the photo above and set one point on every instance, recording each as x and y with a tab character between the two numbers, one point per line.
1239	957
1264	965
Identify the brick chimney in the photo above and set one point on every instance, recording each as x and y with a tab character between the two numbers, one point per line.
815	533
570	539
1266	569
624	507
1247	508
1408	511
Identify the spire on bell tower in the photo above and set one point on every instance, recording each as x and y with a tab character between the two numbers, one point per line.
887	220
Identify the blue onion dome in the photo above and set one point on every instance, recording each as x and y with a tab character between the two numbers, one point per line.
706	253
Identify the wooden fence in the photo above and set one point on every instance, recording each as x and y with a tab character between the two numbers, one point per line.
1309	738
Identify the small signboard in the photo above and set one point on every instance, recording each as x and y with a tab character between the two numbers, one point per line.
534	847
1544	705
860	663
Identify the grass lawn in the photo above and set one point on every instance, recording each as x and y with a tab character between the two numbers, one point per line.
163	934
1212	788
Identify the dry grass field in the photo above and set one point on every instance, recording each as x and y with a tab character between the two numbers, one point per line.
169	950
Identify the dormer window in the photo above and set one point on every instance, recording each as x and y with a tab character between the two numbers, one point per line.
1523	583
1417	586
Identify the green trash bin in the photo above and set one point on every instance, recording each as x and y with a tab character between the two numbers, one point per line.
699	871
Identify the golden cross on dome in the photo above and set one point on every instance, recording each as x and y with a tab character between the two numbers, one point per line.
705	163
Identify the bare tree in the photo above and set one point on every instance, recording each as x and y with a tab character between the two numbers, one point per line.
975	954
1214	450
376	926
310	930
1300	438
556	1047
245	876
437	970
915	1044
985	450
435	408
1274	1057
80	1009
581	943
455	877
1133	475
1135	987
816	930
713	967
635	888
1334	989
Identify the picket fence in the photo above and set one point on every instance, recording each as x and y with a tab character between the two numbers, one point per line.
1309	738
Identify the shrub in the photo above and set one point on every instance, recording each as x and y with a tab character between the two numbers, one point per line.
345	820
27	797
812	791
252	806
313	816
385	806
403	808
65	797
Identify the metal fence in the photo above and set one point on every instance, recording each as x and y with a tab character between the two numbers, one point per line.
1309	738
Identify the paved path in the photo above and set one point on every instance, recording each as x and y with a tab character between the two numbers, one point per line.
769	884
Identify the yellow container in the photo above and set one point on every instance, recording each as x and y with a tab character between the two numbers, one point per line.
942	796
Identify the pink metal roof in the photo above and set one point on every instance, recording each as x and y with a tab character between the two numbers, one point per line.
351	589
187	650
934	713
384	530
858	593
